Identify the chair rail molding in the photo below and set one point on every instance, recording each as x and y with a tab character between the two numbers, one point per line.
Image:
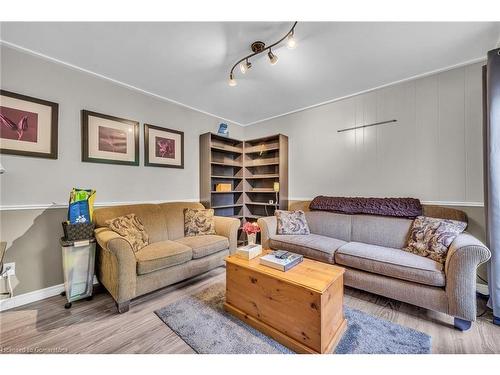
54	205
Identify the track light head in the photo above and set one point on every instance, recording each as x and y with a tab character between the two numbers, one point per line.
291	43
245	66
273	59
232	82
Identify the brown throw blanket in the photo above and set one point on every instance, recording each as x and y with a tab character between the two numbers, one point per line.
398	207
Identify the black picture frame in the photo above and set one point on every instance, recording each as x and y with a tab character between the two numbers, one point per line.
53	153
147	162
85	138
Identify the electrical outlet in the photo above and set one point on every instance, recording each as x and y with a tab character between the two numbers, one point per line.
11	269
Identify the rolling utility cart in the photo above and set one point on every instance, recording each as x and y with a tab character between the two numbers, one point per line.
78	267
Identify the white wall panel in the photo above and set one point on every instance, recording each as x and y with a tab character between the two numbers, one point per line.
427	136
473	133
451	161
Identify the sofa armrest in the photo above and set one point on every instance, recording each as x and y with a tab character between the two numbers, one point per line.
117	265
267	228
465	254
228	227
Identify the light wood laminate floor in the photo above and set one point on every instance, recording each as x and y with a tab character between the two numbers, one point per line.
95	326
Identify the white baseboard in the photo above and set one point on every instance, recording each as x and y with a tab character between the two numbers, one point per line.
36	295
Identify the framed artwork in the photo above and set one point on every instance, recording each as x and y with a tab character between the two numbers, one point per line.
163	147
28	126
108	139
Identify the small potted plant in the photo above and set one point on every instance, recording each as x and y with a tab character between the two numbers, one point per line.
251	229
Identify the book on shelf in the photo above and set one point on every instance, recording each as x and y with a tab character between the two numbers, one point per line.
249	251
281	260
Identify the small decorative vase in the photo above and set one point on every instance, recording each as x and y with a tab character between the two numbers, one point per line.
252	237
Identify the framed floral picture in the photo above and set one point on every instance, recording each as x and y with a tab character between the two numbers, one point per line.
28	126
109	139
163	147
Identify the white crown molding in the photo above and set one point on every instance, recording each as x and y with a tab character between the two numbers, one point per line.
422	75
120	83
434	203
54	205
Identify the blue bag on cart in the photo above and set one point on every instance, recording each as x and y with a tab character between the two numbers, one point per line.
81	206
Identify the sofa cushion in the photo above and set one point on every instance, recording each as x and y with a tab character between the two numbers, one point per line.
198	222
150	215
163	254
205	245
291	222
380	230
311	246
391	262
330	224
430	237
131	228
173	212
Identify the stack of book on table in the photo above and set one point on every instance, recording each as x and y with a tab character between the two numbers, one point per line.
281	260
249	251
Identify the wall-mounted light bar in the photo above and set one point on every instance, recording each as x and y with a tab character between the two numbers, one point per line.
366	126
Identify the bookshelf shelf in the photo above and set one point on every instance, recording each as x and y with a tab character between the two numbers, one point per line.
227	192
227	177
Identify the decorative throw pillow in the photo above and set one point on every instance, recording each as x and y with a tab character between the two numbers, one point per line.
291	222
130	227
431	237
198	222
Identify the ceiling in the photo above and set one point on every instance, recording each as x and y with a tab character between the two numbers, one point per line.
189	62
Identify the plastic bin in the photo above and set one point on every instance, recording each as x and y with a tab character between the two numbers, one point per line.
78	267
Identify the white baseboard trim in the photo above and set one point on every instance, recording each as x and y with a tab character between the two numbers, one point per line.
54	205
36	295
436	203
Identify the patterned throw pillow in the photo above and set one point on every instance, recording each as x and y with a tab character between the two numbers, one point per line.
291	222
198	222
431	238
130	227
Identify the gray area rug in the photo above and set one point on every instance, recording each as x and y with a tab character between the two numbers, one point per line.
200	320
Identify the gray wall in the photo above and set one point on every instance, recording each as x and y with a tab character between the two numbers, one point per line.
32	235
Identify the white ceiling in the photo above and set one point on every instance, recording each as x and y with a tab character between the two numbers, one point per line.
189	62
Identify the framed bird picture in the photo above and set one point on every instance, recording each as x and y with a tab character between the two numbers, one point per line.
163	147
28	126
109	139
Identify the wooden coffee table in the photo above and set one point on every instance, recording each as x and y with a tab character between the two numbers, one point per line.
301	308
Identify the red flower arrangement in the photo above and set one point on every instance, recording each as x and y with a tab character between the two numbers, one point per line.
251	228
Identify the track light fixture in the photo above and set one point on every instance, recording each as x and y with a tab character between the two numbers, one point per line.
259	47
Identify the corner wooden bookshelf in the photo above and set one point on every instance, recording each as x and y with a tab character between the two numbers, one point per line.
251	167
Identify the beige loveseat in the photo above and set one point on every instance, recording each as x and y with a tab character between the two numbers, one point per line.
169	258
369	248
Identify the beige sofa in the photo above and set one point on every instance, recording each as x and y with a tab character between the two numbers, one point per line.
169	258
369	247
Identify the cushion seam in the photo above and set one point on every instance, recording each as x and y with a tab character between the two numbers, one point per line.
306	246
394	277
386	262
